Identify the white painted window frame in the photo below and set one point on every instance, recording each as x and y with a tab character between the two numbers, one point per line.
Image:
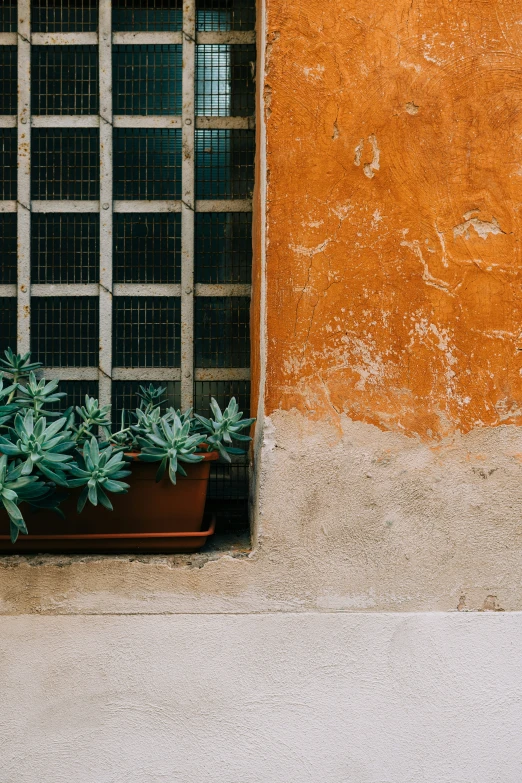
106	206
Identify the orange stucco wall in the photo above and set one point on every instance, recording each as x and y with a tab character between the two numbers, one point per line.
394	184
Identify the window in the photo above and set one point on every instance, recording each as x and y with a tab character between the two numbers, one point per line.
126	177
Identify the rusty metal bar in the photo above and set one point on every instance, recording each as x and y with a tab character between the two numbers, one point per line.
106	175
64	39
24	178
188	203
8	121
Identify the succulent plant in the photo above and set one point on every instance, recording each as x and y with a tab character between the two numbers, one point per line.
170	443
15	488
92	416
101	473
18	365
38	394
79	449
224	428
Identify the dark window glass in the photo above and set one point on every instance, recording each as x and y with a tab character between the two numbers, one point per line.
147	15
223	246
222	331
8	155
147	79
124	396
8	79
75	391
64	16
221	15
146	331
147	163
64	80
224	164
225	80
8	243
8	16
7	323
65	163
147	247
65	331
65	248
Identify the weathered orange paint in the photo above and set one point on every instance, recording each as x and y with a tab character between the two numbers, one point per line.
393	211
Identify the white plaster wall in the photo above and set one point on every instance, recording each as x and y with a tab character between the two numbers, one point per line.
274	698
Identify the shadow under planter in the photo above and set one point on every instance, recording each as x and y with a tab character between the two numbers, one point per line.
151	517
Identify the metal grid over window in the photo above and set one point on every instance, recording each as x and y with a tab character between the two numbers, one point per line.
8	16
8	322
224	15
224	164
146	331
8	79
8	235
75	391
65	163
64	330
225	80
64	80
124	396
64	16
65	248
223	249
147	163
157	15
8	163
126	171
147	247
147	79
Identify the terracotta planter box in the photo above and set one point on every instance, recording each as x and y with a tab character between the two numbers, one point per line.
151	517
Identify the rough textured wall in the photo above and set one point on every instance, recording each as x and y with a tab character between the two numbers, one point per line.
395	181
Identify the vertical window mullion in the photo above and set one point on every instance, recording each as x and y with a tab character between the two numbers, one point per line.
106	200
24	177
188	204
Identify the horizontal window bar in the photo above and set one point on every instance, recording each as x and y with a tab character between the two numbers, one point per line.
227	37
131	289
8	120
8	39
144	38
71	373
147	373
234	205
7	290
7	206
64	39
65	121
68	205
146	121
222	374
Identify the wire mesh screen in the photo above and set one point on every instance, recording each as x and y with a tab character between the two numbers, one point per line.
64	331
147	79
8	77
221	15
225	80
8	242
222	326
8	16
65	248
7	323
64	16
146	331
147	247
64	80
124	396
8	156
223	247
224	164
65	163
151	15
75	391
147	163
222	391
